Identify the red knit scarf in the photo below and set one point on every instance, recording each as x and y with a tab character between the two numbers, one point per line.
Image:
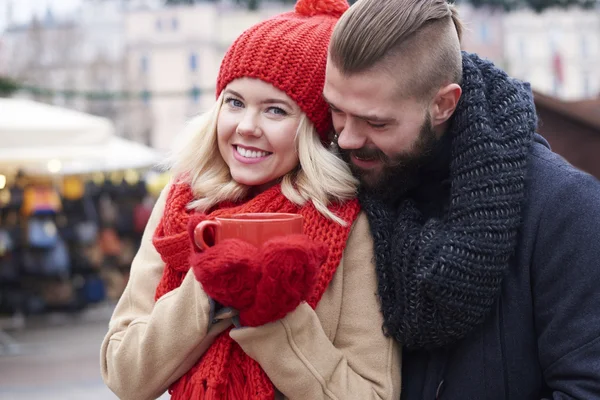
225	372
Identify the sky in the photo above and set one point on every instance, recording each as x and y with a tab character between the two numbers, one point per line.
23	10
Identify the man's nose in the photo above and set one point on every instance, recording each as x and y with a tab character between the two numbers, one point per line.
350	138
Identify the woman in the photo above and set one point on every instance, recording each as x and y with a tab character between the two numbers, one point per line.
259	150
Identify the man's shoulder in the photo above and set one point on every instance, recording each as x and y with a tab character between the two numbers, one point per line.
552	182
548	170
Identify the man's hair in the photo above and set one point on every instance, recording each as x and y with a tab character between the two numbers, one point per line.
418	41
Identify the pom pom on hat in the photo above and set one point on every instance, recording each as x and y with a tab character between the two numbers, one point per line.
289	51
310	8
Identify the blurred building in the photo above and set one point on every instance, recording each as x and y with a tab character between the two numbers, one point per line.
76	57
44	52
484	32
572	128
558	51
173	57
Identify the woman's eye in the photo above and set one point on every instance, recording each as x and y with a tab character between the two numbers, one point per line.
233	102
277	111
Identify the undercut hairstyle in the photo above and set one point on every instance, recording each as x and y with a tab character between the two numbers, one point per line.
417	41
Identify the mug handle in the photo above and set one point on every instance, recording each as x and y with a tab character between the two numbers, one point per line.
199	233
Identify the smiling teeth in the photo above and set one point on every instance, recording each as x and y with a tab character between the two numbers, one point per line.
251	153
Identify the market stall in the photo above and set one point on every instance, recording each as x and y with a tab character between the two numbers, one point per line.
41	139
74	200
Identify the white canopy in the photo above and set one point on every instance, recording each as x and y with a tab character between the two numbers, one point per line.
43	139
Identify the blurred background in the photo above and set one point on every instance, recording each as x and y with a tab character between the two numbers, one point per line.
92	96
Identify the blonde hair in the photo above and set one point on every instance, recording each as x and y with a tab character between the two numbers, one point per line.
322	177
422	36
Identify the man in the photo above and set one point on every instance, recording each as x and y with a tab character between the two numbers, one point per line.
486	242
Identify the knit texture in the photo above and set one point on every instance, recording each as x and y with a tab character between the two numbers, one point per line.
264	284
229	272
225	361
290	266
439	276
289	51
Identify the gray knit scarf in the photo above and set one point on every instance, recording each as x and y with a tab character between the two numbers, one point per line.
439	276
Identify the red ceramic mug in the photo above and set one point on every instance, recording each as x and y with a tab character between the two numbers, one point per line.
254	228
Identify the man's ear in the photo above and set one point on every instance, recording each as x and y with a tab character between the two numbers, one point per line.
444	103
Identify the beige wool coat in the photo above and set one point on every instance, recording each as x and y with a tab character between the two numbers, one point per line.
337	351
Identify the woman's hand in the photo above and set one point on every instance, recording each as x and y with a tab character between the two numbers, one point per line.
262	284
290	266
229	272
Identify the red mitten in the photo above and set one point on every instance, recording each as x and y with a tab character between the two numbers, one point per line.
229	272
290	266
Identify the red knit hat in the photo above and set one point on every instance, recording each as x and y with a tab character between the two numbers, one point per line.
289	51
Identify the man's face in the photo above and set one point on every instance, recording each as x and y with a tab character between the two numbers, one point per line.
383	136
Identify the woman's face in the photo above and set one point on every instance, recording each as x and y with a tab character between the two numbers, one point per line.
256	132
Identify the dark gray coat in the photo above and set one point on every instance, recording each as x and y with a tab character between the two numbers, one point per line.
542	340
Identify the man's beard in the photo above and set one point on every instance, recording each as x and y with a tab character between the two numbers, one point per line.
401	172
